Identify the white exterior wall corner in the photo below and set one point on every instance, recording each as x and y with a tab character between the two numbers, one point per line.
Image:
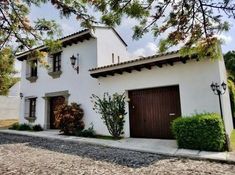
194	79
225	99
107	43
80	86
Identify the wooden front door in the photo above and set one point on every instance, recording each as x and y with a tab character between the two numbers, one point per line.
54	102
152	111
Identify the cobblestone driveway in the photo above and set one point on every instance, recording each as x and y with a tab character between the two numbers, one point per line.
32	155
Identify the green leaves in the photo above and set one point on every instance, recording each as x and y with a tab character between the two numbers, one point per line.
229	59
112	110
7	70
136	10
111	19
200	132
68	118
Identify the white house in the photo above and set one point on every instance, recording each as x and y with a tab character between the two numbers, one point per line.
158	88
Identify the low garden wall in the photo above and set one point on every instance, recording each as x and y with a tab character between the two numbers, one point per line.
9	107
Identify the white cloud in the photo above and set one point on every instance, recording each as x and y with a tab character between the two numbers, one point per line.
149	49
67	28
139	52
152	48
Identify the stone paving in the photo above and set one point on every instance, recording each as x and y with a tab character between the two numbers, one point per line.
20	154
158	146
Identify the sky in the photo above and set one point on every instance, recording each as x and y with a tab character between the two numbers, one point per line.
145	46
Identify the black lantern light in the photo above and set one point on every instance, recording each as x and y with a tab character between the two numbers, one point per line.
219	89
21	95
74	62
224	86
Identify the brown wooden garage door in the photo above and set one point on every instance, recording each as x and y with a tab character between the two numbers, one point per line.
152	111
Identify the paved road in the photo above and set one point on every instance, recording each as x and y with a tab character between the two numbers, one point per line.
31	155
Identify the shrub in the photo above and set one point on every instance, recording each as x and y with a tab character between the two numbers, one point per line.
37	128
15	126
24	127
86	132
201	132
68	118
112	110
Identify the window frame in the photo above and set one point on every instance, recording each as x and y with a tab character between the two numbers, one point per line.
56	62
33	68
32	107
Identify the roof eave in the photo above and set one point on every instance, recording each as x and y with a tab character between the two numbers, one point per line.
22	56
138	65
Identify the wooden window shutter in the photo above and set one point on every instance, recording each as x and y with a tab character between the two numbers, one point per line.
26	108
50	63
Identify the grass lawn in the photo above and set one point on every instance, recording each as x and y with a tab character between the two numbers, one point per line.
106	137
7	123
232	140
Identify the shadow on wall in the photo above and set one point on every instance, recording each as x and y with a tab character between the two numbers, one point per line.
117	156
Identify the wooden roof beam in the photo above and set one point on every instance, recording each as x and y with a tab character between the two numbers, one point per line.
159	65
184	61
128	70
171	63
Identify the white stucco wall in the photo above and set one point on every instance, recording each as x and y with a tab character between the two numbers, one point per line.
9	107
14	90
193	78
226	105
80	86
107	43
77	84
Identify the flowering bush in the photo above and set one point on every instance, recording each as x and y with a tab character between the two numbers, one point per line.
112	110
68	118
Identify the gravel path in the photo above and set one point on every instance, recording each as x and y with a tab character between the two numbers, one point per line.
31	155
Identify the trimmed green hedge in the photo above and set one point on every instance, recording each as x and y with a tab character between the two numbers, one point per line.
200	131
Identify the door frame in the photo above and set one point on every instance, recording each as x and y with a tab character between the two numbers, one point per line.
47	99
146	88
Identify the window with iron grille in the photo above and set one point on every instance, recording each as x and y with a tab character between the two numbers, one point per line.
57	62
32	107
33	68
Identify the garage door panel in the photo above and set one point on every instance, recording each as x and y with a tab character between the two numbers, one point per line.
151	111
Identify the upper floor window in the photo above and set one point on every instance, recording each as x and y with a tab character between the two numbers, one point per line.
54	61
32	70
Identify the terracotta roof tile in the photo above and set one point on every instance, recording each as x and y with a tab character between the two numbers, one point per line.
134	60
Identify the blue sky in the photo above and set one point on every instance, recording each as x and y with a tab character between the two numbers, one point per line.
147	45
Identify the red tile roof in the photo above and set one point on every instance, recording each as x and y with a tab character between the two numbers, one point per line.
134	60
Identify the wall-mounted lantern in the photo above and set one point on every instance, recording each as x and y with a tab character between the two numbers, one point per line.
21	95
75	62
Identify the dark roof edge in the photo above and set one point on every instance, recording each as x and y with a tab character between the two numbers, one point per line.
144	63
134	61
82	32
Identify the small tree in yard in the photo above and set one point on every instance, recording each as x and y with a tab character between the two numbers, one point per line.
112	110
68	118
